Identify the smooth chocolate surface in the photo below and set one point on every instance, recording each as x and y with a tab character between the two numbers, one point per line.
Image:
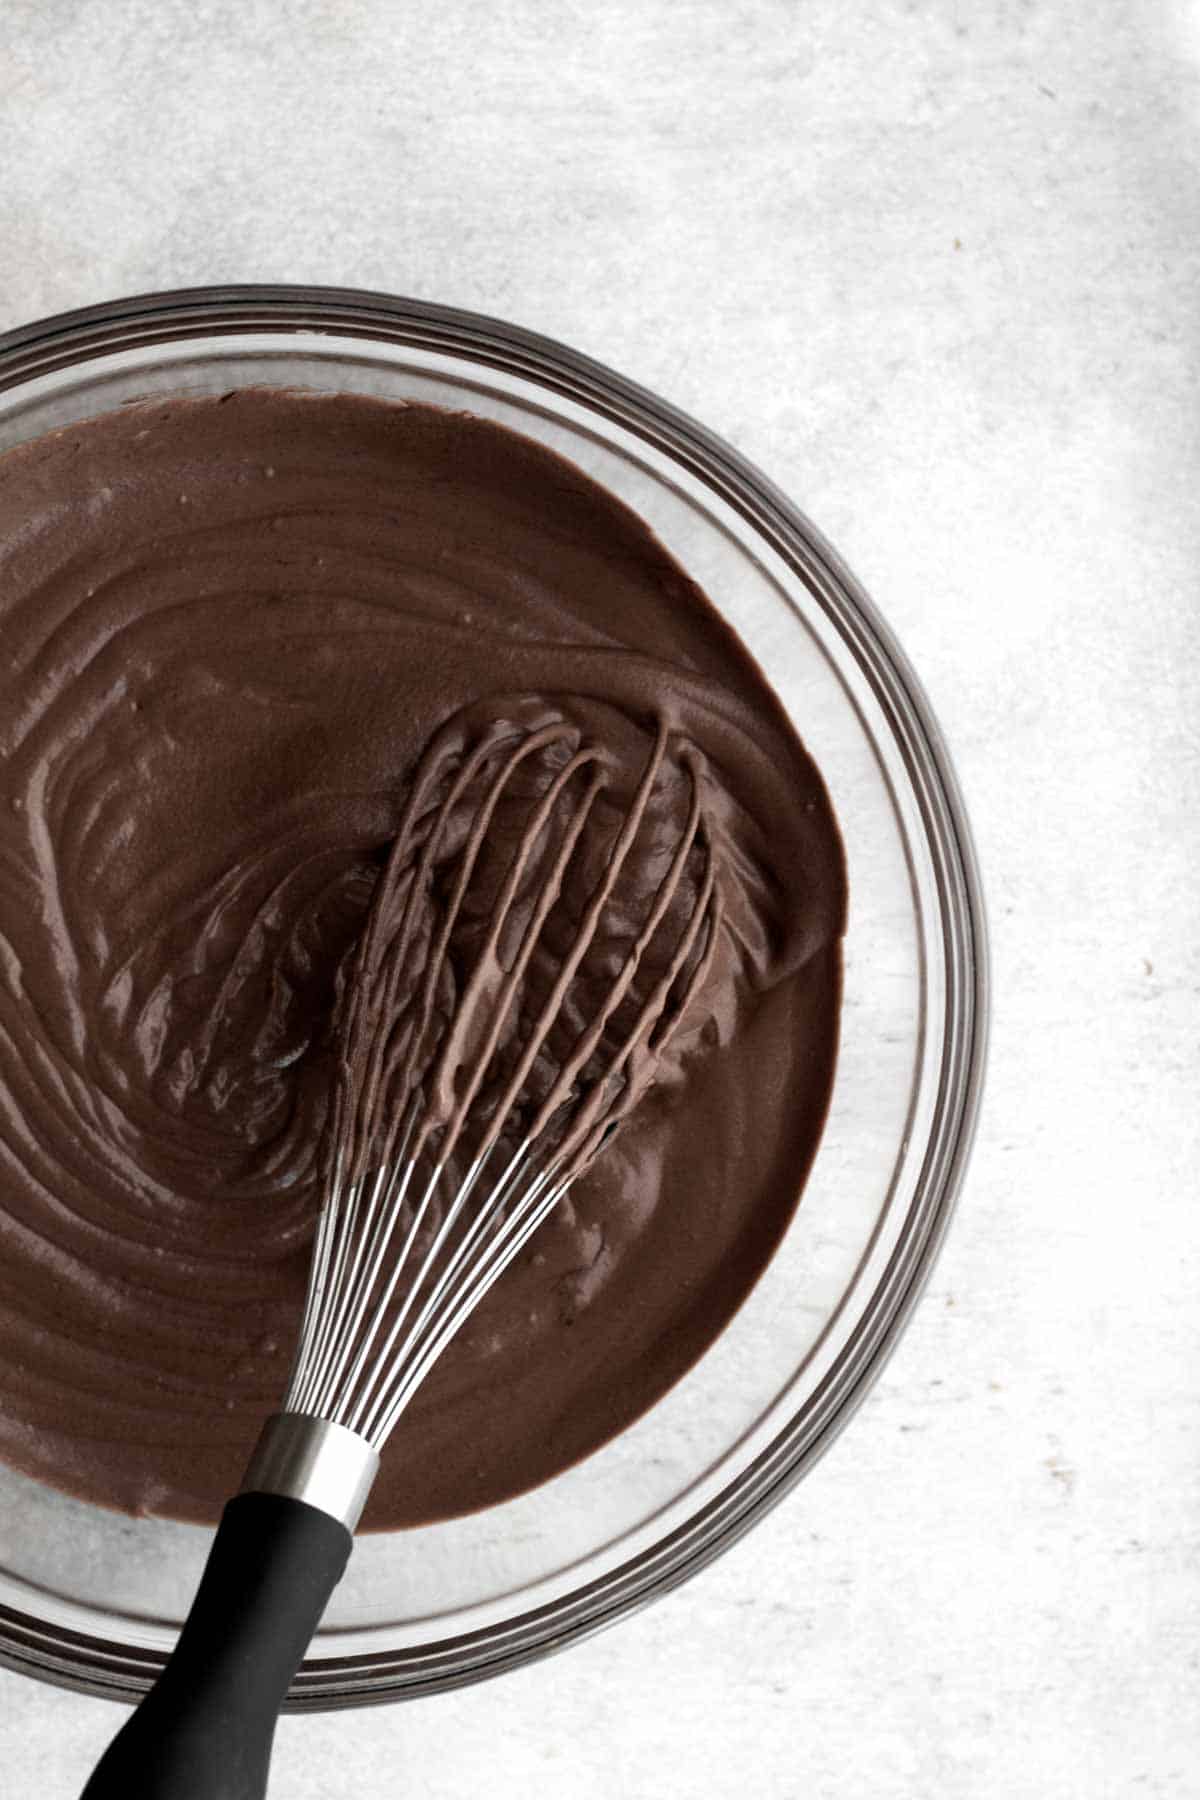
228	629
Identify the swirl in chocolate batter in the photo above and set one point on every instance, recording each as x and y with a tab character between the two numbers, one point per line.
230	628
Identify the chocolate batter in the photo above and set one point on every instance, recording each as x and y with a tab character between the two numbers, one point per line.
228	630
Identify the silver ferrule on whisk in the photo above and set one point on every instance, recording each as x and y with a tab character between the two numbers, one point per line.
313	1460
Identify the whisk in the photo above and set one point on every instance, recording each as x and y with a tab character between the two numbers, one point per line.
532	946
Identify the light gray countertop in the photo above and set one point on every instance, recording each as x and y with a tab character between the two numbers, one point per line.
934	266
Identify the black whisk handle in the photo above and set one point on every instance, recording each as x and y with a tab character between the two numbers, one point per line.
205	1730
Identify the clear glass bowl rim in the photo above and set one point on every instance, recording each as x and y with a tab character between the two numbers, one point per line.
73	338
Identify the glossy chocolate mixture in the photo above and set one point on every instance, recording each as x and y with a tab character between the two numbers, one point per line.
228	630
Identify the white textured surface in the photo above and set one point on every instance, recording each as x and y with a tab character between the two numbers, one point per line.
935	267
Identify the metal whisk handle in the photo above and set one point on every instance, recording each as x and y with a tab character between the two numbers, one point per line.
205	1730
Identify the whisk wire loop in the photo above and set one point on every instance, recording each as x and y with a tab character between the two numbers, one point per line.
443	1056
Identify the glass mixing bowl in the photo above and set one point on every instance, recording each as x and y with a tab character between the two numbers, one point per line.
93	1599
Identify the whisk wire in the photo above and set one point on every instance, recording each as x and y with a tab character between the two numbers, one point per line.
450	1053
446	1063
389	1372
315	1370
372	1242
512	1238
393	1278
